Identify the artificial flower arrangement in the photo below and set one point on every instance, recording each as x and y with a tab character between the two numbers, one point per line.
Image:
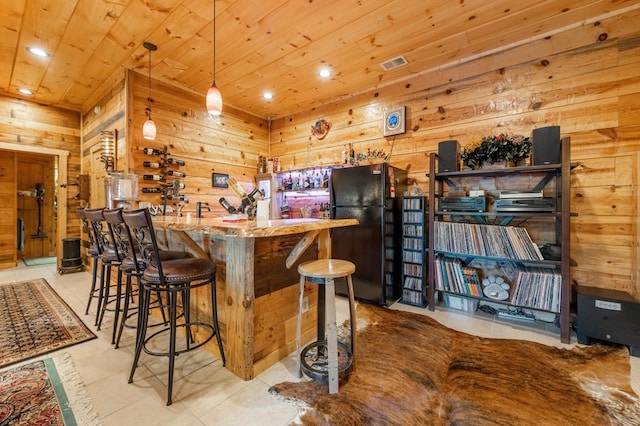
493	149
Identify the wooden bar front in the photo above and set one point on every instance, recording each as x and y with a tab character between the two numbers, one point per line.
257	293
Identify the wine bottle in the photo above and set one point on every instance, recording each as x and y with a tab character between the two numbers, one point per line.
233	183
176	173
177	185
176	162
227	206
180	197
153	151
152	190
153	177
152	164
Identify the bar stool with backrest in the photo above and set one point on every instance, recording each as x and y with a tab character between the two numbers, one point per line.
94	253
132	265
175	279
108	259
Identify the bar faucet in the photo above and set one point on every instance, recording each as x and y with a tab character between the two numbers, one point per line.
199	206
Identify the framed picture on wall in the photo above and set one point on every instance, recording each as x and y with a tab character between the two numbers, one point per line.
394	121
219	180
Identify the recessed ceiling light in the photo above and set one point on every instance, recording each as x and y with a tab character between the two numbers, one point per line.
324	72
267	95
38	52
25	91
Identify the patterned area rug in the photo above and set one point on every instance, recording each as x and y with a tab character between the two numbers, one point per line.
411	370
45	392
34	321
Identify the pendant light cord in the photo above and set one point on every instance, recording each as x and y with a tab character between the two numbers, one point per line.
150	47
149	86
214	42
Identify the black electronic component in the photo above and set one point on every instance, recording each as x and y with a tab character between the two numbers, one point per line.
464	204
448	154
546	145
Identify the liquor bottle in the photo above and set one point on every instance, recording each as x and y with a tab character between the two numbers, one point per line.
176	173
152	190
153	177
176	162
152	164
153	151
325	179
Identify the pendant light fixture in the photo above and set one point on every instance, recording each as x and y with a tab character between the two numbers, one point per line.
149	127
214	98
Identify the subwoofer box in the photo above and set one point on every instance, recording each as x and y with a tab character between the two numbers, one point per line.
608	316
448	152
546	145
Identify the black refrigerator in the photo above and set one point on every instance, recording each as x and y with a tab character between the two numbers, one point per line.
373	195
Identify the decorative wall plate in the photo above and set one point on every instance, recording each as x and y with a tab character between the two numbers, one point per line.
320	129
394	121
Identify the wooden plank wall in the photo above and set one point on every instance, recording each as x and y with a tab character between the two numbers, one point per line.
105	110
584	79
229	144
8	209
24	123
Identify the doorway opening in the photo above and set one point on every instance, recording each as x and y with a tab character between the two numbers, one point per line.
54	210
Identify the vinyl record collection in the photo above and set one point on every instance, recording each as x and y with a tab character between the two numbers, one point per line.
509	242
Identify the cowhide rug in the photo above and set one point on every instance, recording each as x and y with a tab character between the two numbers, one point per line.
411	370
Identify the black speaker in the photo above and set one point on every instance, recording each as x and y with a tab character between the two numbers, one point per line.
448	152
546	145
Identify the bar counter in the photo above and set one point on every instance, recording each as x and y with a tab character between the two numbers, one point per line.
257	293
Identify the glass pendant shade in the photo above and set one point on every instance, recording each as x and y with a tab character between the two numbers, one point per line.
214	100
149	130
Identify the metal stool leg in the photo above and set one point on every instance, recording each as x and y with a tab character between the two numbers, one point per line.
94	280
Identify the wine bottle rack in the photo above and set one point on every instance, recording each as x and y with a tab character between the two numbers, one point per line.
159	171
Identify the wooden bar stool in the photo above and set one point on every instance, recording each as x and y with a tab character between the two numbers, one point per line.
326	359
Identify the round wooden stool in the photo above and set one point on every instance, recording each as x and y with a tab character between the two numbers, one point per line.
326	359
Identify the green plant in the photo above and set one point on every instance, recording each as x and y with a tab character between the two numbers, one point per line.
496	148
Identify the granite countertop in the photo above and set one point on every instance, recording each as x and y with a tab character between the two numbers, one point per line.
248	228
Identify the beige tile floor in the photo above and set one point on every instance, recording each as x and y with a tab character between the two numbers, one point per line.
205	393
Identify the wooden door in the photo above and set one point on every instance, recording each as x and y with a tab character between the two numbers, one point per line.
36	205
97	198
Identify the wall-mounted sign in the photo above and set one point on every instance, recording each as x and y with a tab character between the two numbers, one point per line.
394	121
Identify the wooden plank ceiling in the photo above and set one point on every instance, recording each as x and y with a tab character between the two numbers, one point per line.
274	45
